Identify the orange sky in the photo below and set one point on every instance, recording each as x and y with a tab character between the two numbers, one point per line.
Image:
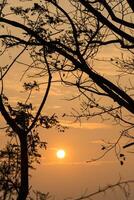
72	176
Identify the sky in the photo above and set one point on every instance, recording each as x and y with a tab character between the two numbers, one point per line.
72	176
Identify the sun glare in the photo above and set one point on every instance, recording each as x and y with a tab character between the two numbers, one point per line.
60	154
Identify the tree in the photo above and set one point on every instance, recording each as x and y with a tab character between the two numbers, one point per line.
65	42
22	128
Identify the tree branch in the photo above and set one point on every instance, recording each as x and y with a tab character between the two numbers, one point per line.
44	98
105	21
131	4
114	18
9	120
120	184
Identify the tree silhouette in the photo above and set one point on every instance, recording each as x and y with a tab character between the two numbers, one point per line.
22	149
65	41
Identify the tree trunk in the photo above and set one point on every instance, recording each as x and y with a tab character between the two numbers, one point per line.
24	185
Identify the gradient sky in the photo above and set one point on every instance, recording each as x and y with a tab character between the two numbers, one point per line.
72	176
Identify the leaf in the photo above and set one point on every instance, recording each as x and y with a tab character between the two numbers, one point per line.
103	148
121	155
121	162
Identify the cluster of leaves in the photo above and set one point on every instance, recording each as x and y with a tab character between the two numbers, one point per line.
9	170
49	122
19	10
22	114
34	145
107	147
31	85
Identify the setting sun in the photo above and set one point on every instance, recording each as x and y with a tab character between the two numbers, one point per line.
60	154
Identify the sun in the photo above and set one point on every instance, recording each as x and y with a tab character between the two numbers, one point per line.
60	154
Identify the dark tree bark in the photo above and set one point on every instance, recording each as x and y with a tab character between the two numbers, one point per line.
23	192
24	185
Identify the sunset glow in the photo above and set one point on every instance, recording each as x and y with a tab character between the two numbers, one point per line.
60	154
66	99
